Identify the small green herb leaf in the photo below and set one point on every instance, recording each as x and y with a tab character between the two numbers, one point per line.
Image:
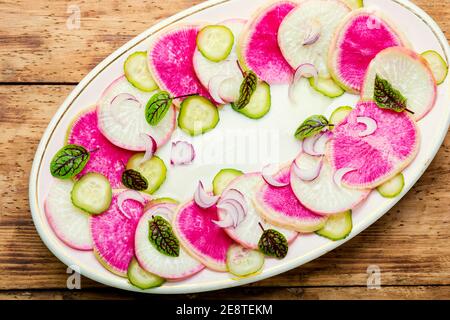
157	107
273	244
311	126
132	179
69	161
162	237
387	97
246	91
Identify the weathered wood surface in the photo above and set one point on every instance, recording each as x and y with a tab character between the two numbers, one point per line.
409	244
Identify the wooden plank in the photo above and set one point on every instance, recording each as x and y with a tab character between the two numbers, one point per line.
37	46
409	244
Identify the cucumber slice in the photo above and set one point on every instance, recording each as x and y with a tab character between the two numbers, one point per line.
223	179
137	72
340	114
215	42
259	104
154	170
92	193
437	64
197	115
243	262
393	187
354	4
337	227
327	87
142	279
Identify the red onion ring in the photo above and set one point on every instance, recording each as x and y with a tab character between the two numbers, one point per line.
203	199
182	153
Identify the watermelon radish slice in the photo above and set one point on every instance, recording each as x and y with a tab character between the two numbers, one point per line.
323	195
259	50
407	72
248	232
170	268
306	33
123	121
70	224
201	237
281	207
227	71
113	234
106	158
378	157
360	37
170	61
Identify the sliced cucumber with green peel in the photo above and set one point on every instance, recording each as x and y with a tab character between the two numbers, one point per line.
154	170
197	115
326	87
259	104
137	72
340	114
223	179
393	187
215	42
437	64
244	262
354	4
337	227
142	279
92	193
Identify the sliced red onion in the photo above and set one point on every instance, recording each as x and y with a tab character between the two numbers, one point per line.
305	70
227	222
150	147
313	33
164	211
203	199
307	175
118	100
183	153
234	194
321	144
309	143
371	126
214	86
269	177
232	210
339	174
129	195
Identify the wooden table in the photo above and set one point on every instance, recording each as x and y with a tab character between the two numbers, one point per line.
41	61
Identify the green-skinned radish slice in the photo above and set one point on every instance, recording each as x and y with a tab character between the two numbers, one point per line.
437	64
248	232
360	37
201	237
280	206
354	4
154	170
170	61
259	50
121	117
92	193
326	87
223	178
142	279
323	195
340	114
105	157
70	224
215	42
305	34
137	73
337	227
152	260
243	262
113	231
393	187
259	104
197	115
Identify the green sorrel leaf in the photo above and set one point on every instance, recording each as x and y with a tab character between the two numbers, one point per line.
163	238
69	161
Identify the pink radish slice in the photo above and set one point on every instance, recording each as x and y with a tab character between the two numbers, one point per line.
204	199
113	234
281	207
170	268
259	44
105	158
129	195
183	153
129	136
248	232
309	173
150	147
268	176
371	126
170	61
201	237
70	224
